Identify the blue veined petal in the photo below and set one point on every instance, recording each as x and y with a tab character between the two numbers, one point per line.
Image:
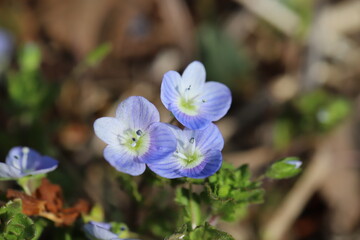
170	88
15	157
208	138
44	165
162	143
167	168
108	129
198	121
9	172
211	164
96	231
217	99
123	161
137	113
29	162
194	75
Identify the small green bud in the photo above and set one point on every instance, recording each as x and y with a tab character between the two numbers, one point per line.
285	168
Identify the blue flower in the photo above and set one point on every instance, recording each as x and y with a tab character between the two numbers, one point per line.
100	231
194	102
198	154
23	161
135	136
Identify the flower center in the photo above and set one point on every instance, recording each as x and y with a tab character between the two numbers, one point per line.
136	142
190	101
188	155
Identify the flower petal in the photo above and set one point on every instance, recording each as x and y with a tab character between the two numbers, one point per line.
137	112
169	92
108	129
9	172
194	75
167	168
15	157
162	143
44	165
95	231
30	162
217	99
211	164
208	138
198	121
123	161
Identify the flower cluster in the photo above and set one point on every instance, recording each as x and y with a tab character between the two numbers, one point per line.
135	137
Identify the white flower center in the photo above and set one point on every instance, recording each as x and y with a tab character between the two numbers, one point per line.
135	141
190	99
188	155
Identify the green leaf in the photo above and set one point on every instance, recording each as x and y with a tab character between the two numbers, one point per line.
223	59
30	58
40	225
231	190
191	205
285	168
14	224
207	232
203	232
98	54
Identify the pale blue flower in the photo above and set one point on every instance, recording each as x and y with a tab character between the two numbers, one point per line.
23	161
198	154
194	102
135	136
100	231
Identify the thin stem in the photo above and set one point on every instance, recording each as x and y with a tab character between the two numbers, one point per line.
193	223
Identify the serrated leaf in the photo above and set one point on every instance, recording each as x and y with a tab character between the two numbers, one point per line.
207	232
231	190
14	224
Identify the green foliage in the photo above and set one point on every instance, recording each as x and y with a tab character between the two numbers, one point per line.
98	54
30	58
191	205
40	226
203	232
231	190
14	224
128	183
29	94
304	10
285	168
313	113
207	232
224	61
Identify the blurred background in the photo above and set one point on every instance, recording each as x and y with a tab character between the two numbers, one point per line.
293	67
